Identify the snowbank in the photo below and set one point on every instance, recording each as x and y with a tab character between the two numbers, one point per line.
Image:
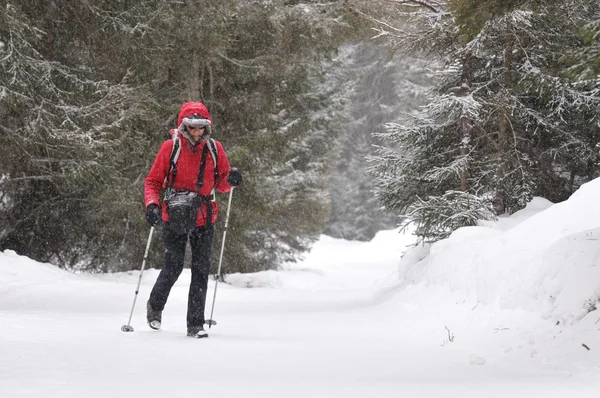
543	259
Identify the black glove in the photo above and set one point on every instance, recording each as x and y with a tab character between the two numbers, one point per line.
235	177
153	214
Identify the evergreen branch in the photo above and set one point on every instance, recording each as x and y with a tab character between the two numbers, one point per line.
238	63
430	5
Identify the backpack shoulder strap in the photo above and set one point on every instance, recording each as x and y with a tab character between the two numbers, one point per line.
175	151
212	147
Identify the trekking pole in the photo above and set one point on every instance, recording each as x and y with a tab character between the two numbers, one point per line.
128	327
211	321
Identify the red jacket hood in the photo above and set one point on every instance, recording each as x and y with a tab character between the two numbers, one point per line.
190	108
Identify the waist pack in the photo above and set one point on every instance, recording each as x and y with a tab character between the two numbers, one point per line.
182	208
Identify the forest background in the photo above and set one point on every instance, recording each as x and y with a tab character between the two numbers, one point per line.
345	117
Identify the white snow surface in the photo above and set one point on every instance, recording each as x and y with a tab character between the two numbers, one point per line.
499	310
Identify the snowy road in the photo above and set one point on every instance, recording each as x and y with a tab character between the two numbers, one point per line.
344	330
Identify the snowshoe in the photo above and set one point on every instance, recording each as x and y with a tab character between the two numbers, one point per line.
153	317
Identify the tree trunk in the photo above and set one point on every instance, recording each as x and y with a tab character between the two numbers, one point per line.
194	88
504	135
466	125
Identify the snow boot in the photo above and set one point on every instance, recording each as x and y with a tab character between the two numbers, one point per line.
197	332
153	317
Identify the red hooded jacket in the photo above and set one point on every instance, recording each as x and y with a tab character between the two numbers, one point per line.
188	166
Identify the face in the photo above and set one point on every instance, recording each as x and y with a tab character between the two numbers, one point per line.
196	132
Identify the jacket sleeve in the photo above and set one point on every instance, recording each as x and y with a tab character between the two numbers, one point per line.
156	176
224	167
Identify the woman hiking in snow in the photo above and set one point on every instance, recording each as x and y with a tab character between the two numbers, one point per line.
189	168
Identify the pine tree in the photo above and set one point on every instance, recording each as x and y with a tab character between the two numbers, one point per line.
261	68
503	124
57	121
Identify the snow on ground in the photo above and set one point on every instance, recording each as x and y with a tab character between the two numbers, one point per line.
499	310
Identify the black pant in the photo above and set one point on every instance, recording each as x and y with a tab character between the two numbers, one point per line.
201	240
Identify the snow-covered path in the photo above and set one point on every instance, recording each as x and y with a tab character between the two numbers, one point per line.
323	328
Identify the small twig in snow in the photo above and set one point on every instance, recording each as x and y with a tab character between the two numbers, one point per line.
450	335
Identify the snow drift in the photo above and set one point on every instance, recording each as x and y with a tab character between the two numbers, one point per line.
544	259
